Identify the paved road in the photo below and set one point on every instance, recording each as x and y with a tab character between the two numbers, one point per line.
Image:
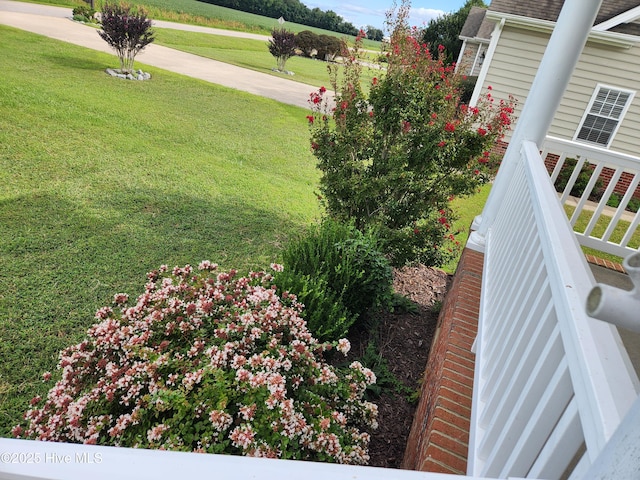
55	22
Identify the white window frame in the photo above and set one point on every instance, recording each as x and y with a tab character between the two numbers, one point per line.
587	112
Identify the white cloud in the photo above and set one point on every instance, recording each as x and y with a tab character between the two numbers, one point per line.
421	16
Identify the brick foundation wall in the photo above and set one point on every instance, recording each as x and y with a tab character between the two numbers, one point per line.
439	436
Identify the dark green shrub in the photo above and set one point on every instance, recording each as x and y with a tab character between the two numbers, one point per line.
634	205
581	182
467	85
327	317
328	47
347	260
307	42
614	200
83	13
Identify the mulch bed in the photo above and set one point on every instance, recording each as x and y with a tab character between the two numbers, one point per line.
404	340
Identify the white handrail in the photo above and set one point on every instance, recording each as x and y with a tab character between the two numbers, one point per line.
31	460
599	159
548	378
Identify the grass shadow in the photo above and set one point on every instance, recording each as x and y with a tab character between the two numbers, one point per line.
60	261
78	63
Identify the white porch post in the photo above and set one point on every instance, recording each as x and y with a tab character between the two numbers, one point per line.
561	56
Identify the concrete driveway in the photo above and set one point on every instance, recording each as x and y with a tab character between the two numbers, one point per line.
55	22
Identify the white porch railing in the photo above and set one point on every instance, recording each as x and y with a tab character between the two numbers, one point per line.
31	460
551	384
615	218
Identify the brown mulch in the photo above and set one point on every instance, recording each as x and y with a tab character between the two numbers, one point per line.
404	340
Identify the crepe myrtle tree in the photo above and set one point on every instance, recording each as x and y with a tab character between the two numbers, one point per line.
127	31
282	45
393	156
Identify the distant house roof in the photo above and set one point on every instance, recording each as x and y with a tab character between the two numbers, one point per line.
550	10
477	26
472	24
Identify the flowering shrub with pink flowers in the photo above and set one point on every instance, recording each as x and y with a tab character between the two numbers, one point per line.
393	158
207	361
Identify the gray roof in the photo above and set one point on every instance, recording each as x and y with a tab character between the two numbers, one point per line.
473	22
547	10
550	10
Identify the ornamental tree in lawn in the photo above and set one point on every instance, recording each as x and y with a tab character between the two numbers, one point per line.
282	45
127	31
393	159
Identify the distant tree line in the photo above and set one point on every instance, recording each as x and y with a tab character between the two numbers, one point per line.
291	11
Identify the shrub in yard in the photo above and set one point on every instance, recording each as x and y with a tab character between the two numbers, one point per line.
282	45
323	47
327	317
127	31
83	13
307	42
328	47
347	260
207	362
392	159
581	181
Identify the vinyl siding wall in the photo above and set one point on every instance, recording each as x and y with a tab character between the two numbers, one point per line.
518	56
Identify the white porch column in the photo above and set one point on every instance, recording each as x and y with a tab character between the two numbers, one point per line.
560	58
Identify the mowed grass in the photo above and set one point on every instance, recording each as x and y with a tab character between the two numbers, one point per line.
252	54
197	12
600	228
104	180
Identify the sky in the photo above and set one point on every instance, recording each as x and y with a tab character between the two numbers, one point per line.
372	12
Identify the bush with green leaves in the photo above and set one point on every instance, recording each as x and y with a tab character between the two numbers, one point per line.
582	180
329	47
394	158
127	30
348	265
323	47
83	13
207	362
282	45
327	317
307	42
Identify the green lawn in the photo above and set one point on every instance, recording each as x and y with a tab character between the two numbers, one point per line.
105	179
252	54
201	13
599	229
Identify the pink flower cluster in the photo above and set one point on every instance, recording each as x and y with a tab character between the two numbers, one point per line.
208	362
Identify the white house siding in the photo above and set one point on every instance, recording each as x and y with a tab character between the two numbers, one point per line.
515	63
611	66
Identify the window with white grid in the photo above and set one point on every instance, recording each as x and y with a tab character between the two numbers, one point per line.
604	115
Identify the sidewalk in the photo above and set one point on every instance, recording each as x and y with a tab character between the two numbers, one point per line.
55	22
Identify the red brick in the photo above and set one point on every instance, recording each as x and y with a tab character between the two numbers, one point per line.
455	396
458	364
440	430
450	444
459	388
454	408
457	377
461	422
430	465
457	463
462	352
